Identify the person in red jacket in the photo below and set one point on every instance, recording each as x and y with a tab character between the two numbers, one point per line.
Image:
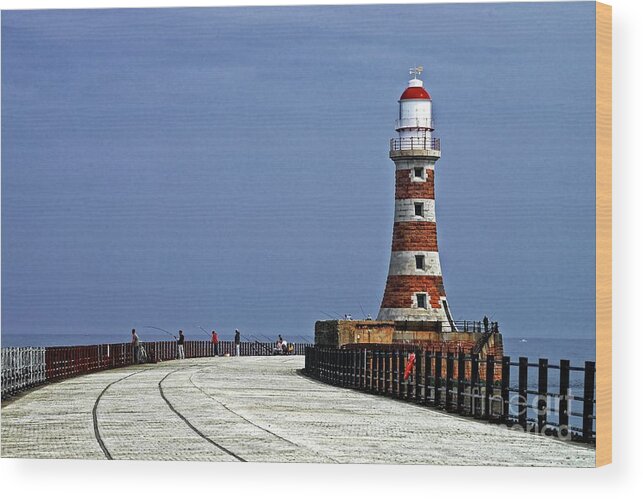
215	343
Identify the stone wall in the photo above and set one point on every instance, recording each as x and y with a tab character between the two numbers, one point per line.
337	333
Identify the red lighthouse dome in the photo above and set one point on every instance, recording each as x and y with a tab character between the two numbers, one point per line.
415	93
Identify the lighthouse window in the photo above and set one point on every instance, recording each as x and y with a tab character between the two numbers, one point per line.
419	262
418	172
421	299
419	209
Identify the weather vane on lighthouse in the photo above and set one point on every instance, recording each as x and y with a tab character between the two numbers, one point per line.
416	71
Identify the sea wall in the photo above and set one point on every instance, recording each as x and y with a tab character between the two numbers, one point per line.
423	334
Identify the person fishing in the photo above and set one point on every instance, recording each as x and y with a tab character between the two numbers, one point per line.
215	343
237	342
179	344
485	322
136	347
278	350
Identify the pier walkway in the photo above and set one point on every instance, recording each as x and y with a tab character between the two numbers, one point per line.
256	409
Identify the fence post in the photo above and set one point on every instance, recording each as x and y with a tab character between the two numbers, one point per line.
353	368
427	373
362	369
325	359
392	373
369	368
332	365
365	369
461	378
381	366
324	366
347	367
488	390
416	376
563	399
376	370
522	391
504	386
347	372
356	359
542	394
448	400
387	372
437	379
475	384
408	382
306	363
588	400
400	373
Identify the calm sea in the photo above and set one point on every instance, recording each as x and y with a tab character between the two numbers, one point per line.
576	350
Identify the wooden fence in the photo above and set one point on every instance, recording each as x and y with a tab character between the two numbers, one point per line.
25	367
498	390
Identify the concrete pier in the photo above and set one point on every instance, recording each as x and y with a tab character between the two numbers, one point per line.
255	409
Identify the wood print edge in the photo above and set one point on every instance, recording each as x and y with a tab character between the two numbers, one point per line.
603	234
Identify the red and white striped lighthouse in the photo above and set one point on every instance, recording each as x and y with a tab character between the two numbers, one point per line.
414	287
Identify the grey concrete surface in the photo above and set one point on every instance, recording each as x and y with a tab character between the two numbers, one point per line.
254	409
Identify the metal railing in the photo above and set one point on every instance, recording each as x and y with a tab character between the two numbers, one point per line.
497	390
415	144
454	326
22	368
25	367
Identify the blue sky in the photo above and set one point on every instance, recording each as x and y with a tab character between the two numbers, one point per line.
229	166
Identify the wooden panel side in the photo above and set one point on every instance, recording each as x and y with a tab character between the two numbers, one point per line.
603	234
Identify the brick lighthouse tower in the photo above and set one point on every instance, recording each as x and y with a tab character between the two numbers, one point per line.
414	287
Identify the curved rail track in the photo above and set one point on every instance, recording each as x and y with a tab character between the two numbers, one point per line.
190	425
225	406
100	440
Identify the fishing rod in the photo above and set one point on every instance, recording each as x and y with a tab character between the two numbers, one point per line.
253	341
363	313
327	315
300	338
269	340
204	331
161	329
264	339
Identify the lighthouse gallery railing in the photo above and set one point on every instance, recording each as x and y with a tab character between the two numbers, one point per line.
415	144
